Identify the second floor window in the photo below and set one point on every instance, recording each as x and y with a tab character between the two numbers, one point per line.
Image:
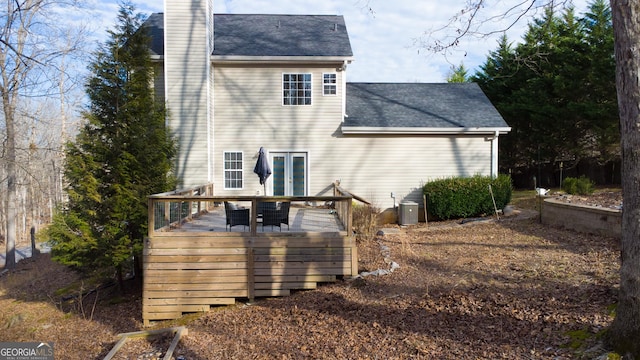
329	84
296	89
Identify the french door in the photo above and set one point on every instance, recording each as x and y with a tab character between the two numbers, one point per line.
289	173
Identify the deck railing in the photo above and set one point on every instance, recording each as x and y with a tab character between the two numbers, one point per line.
342	210
171	210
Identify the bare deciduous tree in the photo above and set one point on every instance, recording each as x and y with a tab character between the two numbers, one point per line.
625	330
32	42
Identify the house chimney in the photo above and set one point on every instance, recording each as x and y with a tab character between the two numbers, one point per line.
188	45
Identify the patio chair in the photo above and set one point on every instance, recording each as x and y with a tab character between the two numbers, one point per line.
264	205
277	216
236	215
284	213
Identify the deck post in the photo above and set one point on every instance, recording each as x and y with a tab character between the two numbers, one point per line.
251	282
167	212
151	226
349	217
190	205
254	216
354	248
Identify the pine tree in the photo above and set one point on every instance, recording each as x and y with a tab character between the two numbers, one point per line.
501	78
601	107
458	74
553	91
121	156
557	91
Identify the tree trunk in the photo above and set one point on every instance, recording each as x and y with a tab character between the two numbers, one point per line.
624	333
10	262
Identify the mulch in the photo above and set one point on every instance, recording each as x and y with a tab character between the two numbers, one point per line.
495	289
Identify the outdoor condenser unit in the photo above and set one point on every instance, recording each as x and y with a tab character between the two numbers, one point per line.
408	213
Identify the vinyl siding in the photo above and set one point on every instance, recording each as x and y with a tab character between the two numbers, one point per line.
375	166
158	81
186	63
249	114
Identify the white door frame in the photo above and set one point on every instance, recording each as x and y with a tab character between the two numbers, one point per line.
289	179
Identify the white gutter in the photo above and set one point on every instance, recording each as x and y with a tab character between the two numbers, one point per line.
361	130
221	59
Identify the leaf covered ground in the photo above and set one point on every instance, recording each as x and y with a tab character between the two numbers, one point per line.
507	289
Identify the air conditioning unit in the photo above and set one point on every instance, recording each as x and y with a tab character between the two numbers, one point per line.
408	213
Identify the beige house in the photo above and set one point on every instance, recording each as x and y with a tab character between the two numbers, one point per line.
235	83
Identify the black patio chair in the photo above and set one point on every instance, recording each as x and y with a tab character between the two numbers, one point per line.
265	205
284	213
277	216
236	215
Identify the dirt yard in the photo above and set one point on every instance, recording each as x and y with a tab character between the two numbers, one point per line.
507	289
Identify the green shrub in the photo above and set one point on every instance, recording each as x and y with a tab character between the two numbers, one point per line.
459	197
579	186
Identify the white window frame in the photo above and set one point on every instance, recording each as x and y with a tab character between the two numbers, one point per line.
228	171
299	100
330	84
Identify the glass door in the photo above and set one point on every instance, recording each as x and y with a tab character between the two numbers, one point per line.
289	173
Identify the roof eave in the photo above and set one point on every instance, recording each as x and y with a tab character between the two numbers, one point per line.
367	130
221	59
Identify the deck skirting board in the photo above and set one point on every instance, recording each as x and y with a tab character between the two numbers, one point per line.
190	272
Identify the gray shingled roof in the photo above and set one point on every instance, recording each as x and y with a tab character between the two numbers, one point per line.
406	105
269	35
155	25
281	35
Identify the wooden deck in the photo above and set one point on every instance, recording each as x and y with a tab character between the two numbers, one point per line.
200	264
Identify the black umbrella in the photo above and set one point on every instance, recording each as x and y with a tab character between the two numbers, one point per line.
262	168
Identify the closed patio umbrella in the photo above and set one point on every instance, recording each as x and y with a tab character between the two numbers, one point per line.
262	168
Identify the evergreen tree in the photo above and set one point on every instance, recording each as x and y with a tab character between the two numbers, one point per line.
458	74
121	156
500	77
601	106
552	92
556	91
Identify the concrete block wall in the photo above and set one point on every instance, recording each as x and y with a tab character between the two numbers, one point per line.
582	218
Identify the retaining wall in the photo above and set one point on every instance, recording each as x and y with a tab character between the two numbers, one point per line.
583	218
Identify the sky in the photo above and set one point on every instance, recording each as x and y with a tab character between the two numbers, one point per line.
386	36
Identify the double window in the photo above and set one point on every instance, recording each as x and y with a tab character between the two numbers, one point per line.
233	167
296	89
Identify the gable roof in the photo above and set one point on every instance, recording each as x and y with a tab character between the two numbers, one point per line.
442	108
251	35
155	25
281	35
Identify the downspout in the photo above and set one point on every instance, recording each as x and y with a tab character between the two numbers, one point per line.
494	155
344	90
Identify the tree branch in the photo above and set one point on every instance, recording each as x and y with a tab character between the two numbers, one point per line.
468	21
